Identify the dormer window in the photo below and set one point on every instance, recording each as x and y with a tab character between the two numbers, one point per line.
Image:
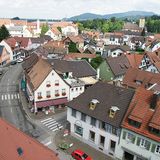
154	131
113	111
134	123
93	104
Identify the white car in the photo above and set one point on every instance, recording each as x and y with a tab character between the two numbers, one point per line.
19	60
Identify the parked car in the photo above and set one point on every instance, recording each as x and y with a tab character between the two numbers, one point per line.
13	62
80	155
19	60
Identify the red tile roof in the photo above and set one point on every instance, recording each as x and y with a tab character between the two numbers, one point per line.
23	41
134	59
11	139
139	110
11	42
132	75
79	55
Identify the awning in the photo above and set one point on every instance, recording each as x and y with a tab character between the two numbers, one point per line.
51	102
88	80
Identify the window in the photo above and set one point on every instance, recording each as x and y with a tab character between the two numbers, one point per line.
102	141
134	123
130	137
56	93
39	94
112	146
143	143
93	121
76	89
83	117
80	88
74	112
157	149
154	131
72	89
78	130
63	92
92	136
48	94
102	125
56	82
48	84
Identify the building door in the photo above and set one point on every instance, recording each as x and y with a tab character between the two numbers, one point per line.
128	156
112	146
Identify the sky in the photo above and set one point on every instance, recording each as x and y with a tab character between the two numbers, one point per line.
58	9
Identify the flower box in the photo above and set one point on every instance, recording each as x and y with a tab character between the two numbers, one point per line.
63	94
40	97
56	84
57	95
48	96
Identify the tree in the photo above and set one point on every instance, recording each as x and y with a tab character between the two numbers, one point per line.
80	27
4	33
60	29
72	48
44	29
95	62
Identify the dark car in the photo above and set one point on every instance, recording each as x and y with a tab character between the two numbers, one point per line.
80	155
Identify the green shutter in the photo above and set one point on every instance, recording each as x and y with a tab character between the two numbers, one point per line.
138	141
133	139
153	148
124	135
148	145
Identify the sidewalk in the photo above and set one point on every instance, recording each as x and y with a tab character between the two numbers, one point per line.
77	144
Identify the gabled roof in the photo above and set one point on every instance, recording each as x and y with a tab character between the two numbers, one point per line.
108	95
38	40
134	59
79	56
1	49
75	39
11	42
146	78
14	141
55	31
38	73
63	24
30	62
118	65
139	110
79	68
131	26
22	41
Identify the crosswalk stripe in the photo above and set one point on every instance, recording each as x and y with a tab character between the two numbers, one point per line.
46	120
8	96
51	120
5	96
12	96
50	123
15	96
2	97
18	95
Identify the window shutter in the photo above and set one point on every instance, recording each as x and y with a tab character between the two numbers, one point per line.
133	139
138	141
153	148
124	135
148	145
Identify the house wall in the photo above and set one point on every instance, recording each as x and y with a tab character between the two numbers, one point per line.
8	48
75	92
133	148
105	72
87	127
5	57
53	35
52	77
69	30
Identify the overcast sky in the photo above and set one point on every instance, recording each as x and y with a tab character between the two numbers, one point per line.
56	9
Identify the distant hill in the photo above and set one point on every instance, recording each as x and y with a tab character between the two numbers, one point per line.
129	14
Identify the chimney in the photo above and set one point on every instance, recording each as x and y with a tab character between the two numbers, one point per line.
154	100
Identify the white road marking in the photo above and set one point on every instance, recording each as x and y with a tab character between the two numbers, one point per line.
48	143
18	95
5	97
8	96
12	96
2	97
46	120
15	96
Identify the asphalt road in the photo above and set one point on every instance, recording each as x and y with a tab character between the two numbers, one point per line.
10	104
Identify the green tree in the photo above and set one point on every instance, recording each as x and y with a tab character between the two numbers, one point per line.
95	62
4	33
72	48
44	29
60	29
80	27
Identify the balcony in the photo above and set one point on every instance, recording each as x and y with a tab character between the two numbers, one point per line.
48	85
57	95
48	96
63	94
39	97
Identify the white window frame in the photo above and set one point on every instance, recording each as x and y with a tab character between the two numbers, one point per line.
143	143
157	147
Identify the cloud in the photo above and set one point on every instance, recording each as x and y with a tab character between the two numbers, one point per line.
66	8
